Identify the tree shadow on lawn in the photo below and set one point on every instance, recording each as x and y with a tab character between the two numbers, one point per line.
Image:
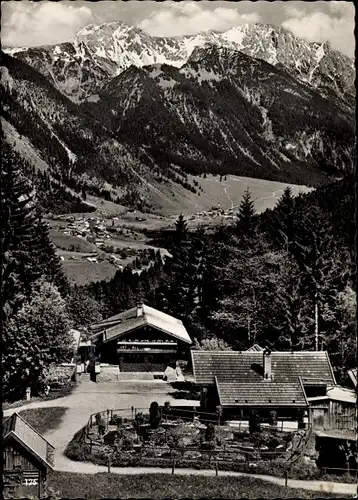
44	419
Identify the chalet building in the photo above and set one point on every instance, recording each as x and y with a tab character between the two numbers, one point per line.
27	458
264	381
141	339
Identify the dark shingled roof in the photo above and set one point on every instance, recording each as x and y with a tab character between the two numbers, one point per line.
15	427
313	367
264	394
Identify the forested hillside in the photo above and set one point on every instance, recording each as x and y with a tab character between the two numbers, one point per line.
35	320
285	278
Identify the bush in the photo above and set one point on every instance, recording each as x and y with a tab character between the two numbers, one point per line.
210	432
154	415
208	445
77	449
116	420
273	418
254	422
140	419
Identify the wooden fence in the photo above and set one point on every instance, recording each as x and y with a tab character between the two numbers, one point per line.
222	454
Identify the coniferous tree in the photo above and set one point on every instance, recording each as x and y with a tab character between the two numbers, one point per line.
26	244
17	219
180	296
246	222
324	271
283	227
45	261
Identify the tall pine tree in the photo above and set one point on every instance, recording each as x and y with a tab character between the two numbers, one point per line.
247	221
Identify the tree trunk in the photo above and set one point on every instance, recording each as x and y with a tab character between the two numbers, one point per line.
316	335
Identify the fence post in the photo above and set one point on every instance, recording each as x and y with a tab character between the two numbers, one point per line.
107	420
111	415
109	464
132	409
286	478
194	415
281	425
216	469
173	466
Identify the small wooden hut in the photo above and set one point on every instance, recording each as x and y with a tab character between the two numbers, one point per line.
27	458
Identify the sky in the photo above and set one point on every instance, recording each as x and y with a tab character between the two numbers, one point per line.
29	23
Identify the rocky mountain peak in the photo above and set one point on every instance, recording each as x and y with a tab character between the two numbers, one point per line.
101	52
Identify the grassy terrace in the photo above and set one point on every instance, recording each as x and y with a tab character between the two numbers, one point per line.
66	390
44	419
157	486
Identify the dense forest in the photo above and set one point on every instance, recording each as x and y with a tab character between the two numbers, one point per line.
284	278
34	290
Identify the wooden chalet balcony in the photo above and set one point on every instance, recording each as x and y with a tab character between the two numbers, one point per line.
147	346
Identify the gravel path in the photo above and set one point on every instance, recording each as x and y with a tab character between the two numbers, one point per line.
89	397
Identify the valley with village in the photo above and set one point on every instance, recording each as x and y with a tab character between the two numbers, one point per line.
178	251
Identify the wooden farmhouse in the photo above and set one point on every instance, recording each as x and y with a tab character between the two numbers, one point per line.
336	410
141	339
27	458
263	381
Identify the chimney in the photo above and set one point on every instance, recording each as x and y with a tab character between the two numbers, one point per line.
267	364
139	310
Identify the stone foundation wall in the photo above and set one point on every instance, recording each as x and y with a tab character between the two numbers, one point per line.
109	373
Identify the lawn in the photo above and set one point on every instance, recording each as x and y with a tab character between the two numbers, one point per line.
69	485
71	243
44	419
82	272
54	394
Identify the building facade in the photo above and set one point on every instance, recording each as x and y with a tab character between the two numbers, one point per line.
264	381
27	458
141	339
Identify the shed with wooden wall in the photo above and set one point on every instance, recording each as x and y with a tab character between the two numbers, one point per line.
27	458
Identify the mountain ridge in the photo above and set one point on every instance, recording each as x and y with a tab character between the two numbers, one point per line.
150	127
225	108
101	52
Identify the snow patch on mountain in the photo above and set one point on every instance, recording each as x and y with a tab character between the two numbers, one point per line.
101	52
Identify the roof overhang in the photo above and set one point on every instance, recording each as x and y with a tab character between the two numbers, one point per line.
15	437
266	404
349	436
143	324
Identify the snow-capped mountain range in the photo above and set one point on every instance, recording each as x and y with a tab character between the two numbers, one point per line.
79	69
136	114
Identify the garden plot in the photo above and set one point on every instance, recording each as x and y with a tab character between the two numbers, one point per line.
149	440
